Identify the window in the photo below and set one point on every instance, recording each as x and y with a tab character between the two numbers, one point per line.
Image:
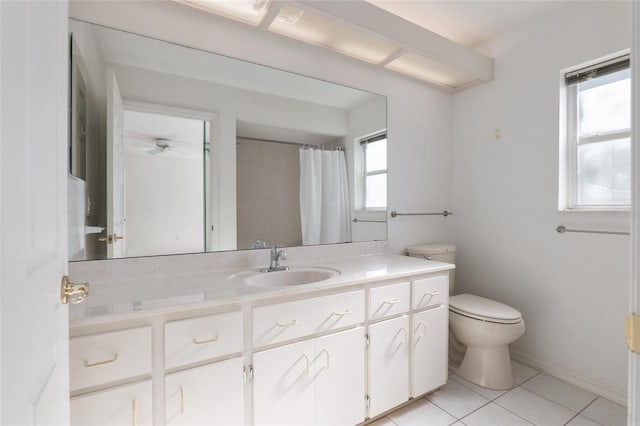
374	171
598	169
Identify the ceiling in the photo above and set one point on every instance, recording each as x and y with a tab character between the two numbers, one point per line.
469	23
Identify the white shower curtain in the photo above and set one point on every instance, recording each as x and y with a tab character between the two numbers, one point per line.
324	197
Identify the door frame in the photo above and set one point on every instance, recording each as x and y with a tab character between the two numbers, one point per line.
633	405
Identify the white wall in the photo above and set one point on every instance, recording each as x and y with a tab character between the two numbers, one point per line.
572	289
419	115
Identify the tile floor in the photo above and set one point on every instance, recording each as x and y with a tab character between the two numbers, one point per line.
536	399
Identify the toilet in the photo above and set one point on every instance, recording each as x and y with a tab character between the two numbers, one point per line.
480	329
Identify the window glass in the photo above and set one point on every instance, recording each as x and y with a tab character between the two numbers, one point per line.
376	156
376	191
605	103
604	172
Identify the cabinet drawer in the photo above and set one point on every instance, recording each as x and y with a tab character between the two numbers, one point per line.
284	321
388	300
124	405
432	291
198	339
107	357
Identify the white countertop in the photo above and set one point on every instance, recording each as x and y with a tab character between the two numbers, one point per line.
142	297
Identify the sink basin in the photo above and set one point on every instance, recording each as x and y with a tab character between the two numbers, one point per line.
294	276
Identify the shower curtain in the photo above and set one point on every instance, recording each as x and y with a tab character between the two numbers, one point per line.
324	197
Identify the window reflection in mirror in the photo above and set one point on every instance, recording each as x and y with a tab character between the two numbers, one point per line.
235	180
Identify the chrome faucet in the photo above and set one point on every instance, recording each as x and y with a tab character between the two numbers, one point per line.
277	254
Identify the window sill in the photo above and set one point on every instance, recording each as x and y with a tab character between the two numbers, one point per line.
607	211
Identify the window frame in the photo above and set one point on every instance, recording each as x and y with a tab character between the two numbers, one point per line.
361	144
573	142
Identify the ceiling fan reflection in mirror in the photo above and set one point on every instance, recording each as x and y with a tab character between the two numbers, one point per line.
157	145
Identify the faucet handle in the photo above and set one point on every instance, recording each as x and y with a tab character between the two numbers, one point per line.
283	255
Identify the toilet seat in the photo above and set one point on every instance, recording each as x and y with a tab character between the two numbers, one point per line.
483	309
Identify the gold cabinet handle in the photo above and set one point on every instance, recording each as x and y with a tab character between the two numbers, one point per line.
328	357
181	400
134	403
291	323
74	293
432	293
306	368
424	326
203	342
343	313
406	335
391	301
88	364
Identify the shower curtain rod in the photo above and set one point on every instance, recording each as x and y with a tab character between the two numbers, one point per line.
292	143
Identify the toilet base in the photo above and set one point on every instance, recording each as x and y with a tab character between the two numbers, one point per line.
487	367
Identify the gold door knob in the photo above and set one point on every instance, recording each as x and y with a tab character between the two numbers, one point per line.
74	293
111	238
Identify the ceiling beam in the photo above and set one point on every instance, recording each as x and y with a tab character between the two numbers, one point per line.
407	35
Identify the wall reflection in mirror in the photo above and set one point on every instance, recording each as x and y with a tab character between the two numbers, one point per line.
176	150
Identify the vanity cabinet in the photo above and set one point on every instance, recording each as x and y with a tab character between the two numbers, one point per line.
120	406
313	382
212	394
336	357
430	341
388	364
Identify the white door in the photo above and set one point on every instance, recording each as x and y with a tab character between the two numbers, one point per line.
338	371
121	406
430	341
115	170
388	364
283	392
33	250
208	395
634	358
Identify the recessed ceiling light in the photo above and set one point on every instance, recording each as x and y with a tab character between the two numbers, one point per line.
251	12
328	33
430	70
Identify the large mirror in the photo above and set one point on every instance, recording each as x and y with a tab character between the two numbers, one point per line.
176	150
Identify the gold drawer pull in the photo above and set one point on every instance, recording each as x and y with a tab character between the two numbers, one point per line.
343	313
106	362
391	301
134	404
287	324
432	293
203	342
181	400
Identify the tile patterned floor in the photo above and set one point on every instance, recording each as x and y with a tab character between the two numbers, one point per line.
536	399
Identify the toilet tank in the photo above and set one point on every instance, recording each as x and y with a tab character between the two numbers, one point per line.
438	252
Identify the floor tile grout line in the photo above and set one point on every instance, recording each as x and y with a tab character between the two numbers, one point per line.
589	405
557	403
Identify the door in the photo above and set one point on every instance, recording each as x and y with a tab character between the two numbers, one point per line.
283	392
116	220
338	371
430	341
208	395
634	358
121	406
388	364
34	383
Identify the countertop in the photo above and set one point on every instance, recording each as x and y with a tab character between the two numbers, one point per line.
127	299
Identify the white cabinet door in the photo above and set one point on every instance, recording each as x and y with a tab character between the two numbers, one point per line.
208	395
283	391
388	364
125	405
430	341
339	378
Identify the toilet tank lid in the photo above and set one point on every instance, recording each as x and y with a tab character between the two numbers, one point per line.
480	306
432	249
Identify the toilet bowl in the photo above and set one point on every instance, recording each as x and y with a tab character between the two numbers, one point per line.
480	329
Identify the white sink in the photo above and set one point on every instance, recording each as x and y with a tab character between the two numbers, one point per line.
294	276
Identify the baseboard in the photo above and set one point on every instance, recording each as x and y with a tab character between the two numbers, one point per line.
599	388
